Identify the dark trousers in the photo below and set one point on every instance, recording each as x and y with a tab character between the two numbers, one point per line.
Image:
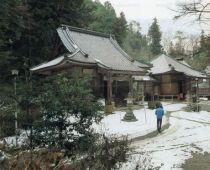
159	124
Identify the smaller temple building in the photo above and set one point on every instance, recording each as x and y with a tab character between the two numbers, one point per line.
204	86
175	78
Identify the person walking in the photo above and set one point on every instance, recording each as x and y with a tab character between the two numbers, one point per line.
159	114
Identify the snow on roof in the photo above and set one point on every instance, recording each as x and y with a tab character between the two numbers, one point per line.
100	63
48	64
65	57
163	64
99	47
93	48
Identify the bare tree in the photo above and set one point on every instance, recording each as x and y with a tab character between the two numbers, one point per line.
200	9
166	41
192	45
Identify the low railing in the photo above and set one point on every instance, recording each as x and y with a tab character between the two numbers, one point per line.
167	97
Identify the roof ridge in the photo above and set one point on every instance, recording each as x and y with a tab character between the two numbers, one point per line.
167	61
73	43
87	31
69	39
182	63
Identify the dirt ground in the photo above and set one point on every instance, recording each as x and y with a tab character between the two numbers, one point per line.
198	162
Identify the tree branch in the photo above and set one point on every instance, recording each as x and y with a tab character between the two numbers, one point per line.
199	9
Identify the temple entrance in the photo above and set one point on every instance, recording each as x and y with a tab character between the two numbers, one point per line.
120	90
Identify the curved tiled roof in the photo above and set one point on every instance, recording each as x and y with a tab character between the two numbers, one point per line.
99	47
93	47
63	59
164	64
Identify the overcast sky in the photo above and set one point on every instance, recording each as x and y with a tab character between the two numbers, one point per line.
144	11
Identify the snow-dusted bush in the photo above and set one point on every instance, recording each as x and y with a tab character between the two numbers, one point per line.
68	110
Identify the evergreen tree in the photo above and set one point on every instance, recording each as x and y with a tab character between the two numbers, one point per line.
10	32
204	50
68	110
202	41
155	38
136	44
28	30
102	17
120	28
42	17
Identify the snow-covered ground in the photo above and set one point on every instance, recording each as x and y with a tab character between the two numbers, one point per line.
11	140
189	132
113	124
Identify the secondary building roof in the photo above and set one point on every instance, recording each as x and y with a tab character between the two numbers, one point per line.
163	64
93	48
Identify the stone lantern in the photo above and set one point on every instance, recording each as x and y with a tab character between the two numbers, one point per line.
129	116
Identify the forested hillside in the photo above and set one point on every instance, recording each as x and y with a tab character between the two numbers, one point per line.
28	30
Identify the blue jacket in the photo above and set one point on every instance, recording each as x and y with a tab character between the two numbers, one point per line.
159	112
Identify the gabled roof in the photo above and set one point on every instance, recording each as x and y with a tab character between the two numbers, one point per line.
163	64
91	47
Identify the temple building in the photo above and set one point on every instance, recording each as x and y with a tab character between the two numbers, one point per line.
99	56
175	78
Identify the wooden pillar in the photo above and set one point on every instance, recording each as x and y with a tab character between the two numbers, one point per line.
208	88
102	85
109	87
161	82
144	88
153	91
138	84
116	88
190	89
197	91
131	85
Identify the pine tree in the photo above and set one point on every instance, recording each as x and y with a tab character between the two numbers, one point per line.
10	32
102	17
39	41
202	41
155	38
135	43
204	47
120	28
28	30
